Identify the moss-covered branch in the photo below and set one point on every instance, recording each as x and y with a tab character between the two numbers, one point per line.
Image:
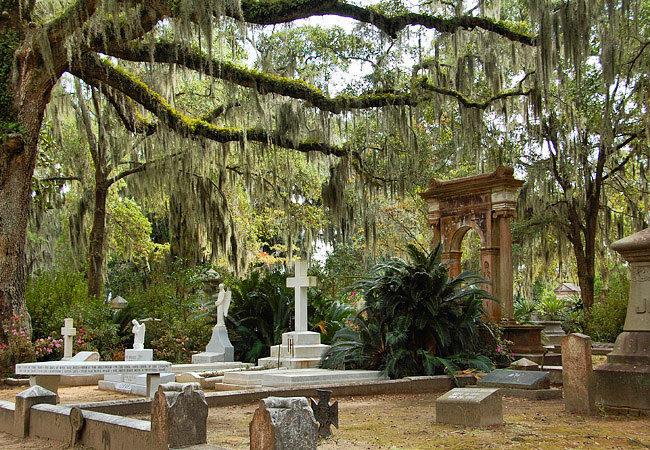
393	24
168	52
95	72
128	114
73	18
268	12
423	82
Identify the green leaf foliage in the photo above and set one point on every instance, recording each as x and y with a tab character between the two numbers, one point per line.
415	314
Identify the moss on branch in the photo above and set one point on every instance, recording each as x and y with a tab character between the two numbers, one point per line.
264	83
423	83
96	71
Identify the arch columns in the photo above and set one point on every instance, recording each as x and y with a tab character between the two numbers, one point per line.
485	203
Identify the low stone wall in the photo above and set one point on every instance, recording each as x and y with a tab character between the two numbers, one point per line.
178	419
409	385
99	430
7	416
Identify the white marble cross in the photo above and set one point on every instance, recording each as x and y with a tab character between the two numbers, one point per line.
68	334
300	283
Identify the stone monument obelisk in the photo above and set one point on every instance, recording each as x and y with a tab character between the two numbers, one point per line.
624	381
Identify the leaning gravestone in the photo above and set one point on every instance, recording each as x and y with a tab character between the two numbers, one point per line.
470	407
283	424
179	415
577	374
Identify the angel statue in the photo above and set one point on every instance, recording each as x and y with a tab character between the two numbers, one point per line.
138	332
222	303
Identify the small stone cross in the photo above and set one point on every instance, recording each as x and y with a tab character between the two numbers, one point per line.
300	283
324	413
68	334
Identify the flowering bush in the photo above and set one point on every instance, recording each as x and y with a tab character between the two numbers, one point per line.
15	347
171	348
49	348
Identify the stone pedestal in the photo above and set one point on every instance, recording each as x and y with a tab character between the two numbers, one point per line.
624	381
219	349
299	350
131	354
553	331
527	339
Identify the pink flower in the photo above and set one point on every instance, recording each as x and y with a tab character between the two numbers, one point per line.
498	348
79	340
57	345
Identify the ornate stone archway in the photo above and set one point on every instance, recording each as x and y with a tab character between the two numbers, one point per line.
485	203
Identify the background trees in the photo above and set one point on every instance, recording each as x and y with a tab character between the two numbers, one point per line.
247	142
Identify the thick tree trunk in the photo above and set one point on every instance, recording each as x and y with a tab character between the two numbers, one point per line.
583	240
97	239
29	95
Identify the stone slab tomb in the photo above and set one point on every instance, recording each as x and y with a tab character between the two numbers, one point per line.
516	379
470	407
521	383
297	377
283	424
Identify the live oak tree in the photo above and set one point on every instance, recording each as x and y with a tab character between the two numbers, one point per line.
43	40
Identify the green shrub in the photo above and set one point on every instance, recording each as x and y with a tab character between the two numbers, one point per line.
417	320
605	319
550	307
51	297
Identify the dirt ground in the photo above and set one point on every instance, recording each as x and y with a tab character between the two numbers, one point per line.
408	422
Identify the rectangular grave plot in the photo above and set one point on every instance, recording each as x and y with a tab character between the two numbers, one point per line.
518	379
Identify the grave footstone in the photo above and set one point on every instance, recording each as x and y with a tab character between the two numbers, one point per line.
471	407
283	424
577	374
179	415
326	414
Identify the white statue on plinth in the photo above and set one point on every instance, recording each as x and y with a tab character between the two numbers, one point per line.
223	304
138	332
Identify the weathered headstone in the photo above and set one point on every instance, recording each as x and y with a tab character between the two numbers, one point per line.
68	332
179	415
624	381
517	379
577	374
324	413
283	424
471	407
